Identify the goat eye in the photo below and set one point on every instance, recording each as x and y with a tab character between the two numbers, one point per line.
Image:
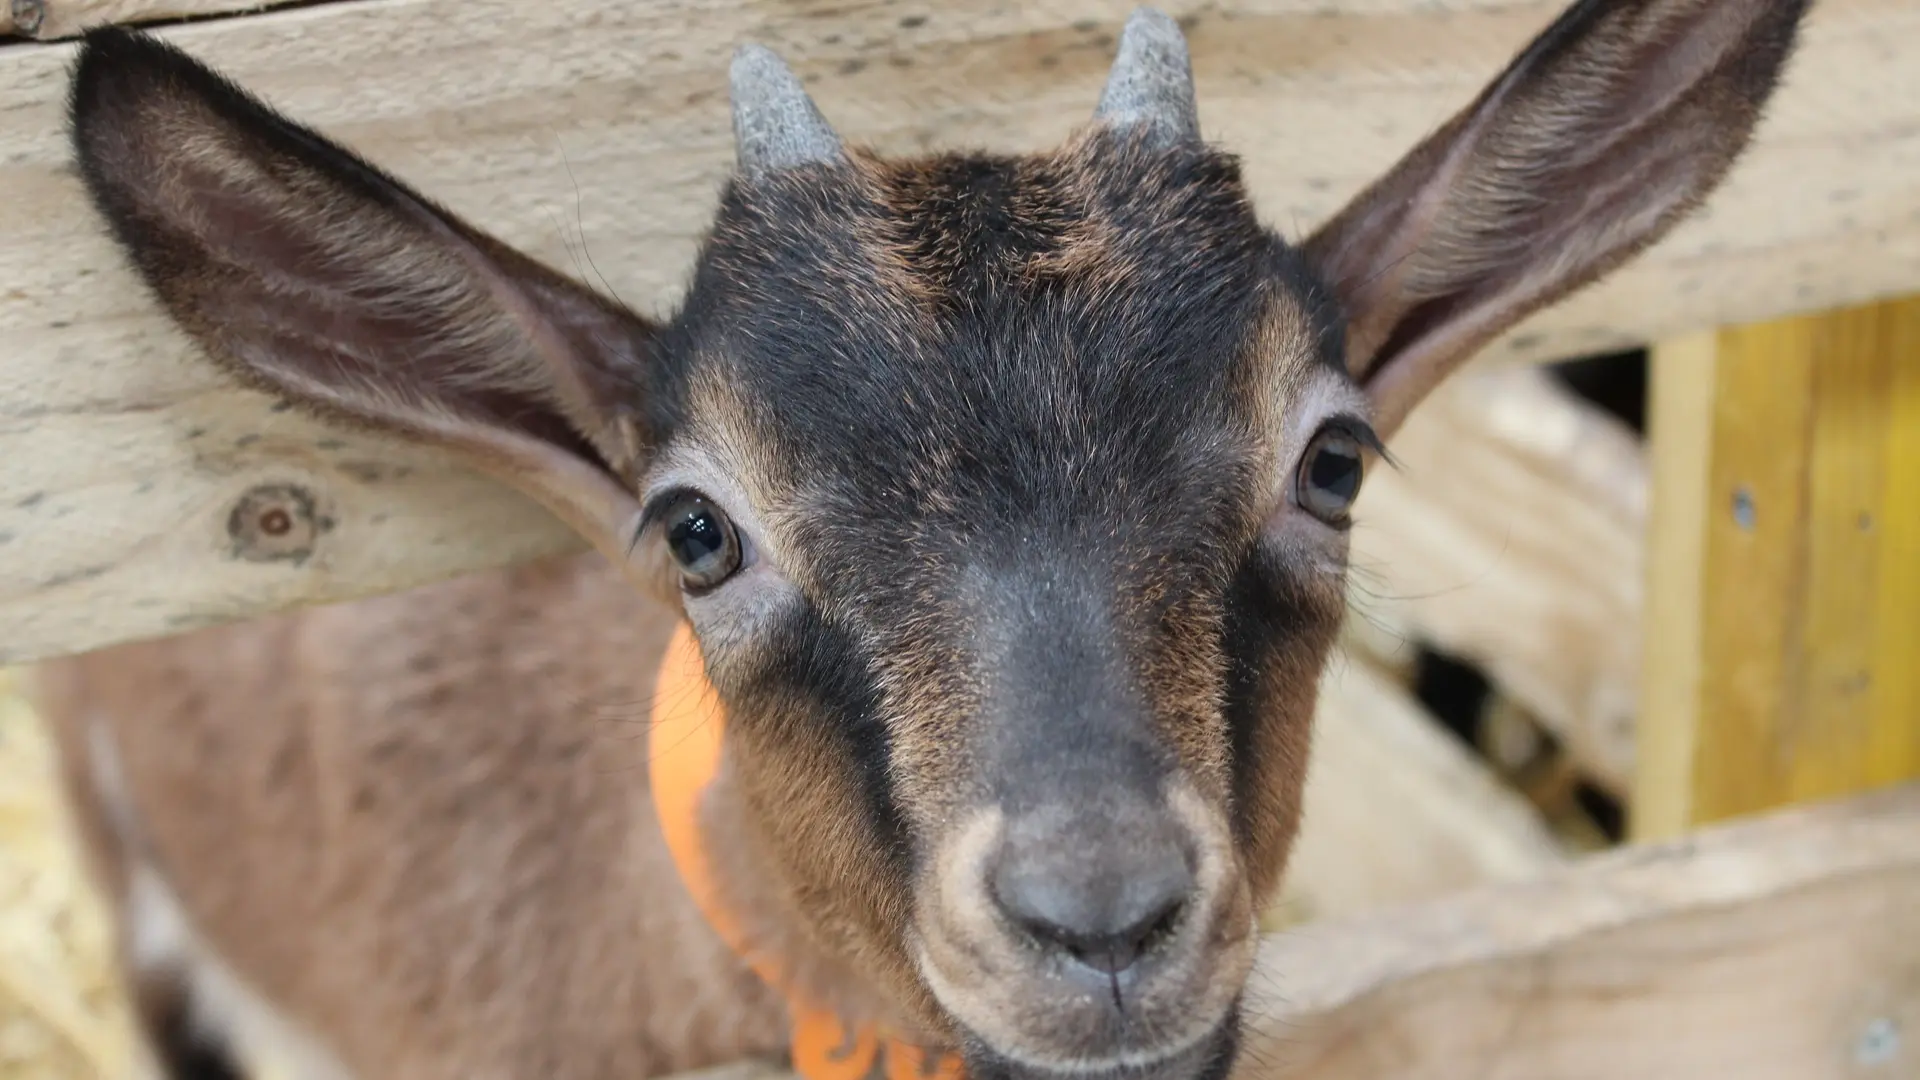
703	542
1330	476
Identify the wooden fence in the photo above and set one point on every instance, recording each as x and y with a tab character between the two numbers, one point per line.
1711	621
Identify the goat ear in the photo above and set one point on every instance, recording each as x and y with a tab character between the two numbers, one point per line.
308	273
1605	132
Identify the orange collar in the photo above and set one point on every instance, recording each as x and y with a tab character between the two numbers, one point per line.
683	757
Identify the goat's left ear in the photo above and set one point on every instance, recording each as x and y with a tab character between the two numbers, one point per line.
1602	135
306	272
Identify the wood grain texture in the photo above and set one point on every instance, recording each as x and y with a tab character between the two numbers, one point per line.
1793	449
1777	949
547	122
1512	535
1680	401
48	20
1399	810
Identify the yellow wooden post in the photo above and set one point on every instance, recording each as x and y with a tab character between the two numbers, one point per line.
1783	604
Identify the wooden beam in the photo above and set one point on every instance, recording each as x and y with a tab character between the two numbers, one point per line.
1398	810
1785	579
549	122
1512	536
1779	949
48	20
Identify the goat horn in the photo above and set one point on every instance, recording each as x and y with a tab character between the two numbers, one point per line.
776	125
1151	83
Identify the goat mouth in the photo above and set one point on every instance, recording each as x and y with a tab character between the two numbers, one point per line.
1210	1057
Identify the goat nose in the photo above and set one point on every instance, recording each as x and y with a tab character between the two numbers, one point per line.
1102	894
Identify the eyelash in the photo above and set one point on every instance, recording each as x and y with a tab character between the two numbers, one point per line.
1353	427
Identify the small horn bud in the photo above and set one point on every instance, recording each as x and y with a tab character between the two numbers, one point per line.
776	125
1151	83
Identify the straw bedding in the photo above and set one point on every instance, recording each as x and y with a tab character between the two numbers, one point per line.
61	1015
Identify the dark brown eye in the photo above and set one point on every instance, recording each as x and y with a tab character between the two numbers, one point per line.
1330	475
702	541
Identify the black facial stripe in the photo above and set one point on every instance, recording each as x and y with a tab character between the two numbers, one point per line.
825	667
1262	619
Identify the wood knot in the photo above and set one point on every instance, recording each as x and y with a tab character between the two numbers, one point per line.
275	523
28	16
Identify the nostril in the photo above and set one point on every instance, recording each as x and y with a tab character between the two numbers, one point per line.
1116	952
1105	909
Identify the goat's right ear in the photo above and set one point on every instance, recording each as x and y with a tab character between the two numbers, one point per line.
310	274
1603	134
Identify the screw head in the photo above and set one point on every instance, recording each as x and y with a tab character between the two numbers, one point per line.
1878	1044
275	523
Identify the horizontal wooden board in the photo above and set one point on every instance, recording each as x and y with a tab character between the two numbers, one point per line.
1397	809
1512	534
46	20
547	122
1785	948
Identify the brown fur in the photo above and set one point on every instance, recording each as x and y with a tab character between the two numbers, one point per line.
277	769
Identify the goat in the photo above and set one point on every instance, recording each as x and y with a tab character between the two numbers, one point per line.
970	539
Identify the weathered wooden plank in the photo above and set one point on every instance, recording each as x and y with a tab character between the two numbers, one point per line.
1512	536
1680	404
1787	613
1779	949
47	20
545	122
1397	810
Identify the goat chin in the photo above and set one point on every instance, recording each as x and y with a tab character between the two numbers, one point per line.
1211	1057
